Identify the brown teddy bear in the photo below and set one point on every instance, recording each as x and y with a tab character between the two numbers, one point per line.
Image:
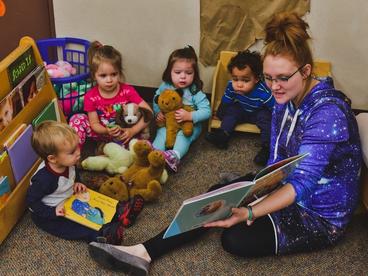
169	101
130	114
141	148
114	187
144	182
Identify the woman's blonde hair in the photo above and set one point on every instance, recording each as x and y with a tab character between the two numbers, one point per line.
286	35
48	136
98	53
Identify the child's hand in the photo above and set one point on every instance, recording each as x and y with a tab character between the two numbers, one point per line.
182	115
79	188
114	131
59	210
127	135
160	118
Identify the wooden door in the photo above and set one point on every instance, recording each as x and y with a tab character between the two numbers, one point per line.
34	18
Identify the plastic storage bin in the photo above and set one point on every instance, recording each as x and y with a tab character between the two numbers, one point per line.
70	90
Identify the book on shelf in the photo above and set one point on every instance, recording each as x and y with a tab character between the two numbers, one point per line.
217	204
6	169
4	189
11	139
90	209
50	112
21	154
21	95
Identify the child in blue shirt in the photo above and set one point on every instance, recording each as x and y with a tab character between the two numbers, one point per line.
182	73
246	100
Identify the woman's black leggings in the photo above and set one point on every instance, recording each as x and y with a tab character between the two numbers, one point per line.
242	240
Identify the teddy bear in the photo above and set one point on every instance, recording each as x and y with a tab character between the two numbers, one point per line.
130	114
140	150
115	160
169	101
145	182
115	187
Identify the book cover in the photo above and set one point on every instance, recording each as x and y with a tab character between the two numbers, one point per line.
10	106
14	136
21	154
4	189
21	95
90	209
50	112
215	205
6	169
32	84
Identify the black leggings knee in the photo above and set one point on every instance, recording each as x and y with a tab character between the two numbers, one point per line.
250	241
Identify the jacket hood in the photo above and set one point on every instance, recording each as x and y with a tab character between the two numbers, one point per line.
323	92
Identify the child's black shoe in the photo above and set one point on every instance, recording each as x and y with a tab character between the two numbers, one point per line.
262	156
112	232
218	138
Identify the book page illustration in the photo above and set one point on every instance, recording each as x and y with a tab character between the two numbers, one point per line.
217	204
90	209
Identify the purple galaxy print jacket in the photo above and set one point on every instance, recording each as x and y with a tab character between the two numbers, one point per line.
326	181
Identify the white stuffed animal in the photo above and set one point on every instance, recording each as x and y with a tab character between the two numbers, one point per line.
115	160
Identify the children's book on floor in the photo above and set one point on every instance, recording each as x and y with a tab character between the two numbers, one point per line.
215	205
90	209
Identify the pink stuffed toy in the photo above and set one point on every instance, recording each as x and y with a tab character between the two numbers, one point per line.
61	69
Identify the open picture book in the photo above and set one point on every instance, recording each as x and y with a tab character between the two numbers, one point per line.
215	205
90	209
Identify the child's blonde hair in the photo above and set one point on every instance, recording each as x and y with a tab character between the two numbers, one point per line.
98	53
48	135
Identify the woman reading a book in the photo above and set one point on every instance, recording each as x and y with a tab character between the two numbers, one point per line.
314	204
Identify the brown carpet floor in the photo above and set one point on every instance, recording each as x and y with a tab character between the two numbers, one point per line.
29	251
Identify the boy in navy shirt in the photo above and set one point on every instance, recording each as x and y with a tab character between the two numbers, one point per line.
246	100
56	179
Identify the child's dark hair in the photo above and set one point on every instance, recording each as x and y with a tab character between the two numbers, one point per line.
98	53
189	54
247	58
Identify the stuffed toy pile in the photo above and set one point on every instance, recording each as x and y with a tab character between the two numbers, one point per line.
61	69
169	101
141	178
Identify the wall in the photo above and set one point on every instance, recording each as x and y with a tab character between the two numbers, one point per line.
147	31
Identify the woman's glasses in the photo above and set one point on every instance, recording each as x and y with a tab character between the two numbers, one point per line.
281	79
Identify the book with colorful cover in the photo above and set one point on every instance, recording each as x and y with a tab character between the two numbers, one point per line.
12	104
90	209
215	205
4	189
